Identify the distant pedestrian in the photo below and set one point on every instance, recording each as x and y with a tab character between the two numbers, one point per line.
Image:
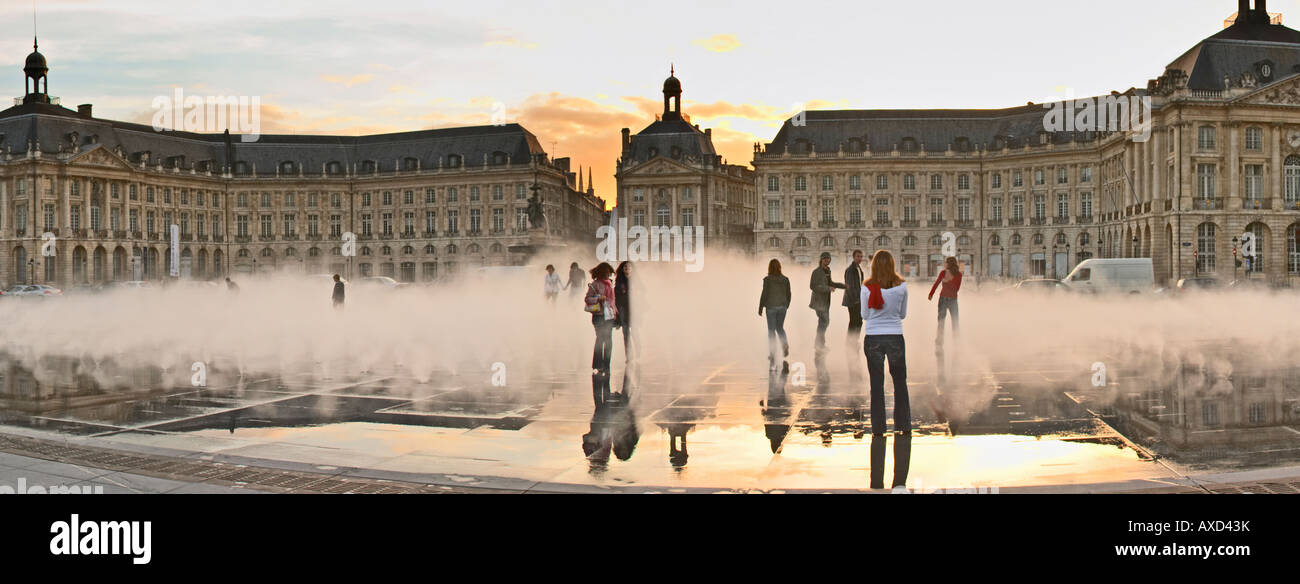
231	286
338	292
623	305
950	277
577	280
552	285
601	303
853	278
775	299
884	306
821	284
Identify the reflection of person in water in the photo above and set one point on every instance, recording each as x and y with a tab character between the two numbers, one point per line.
677	454
613	429
902	460
776	410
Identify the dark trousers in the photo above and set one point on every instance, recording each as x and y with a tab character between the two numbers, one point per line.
823	321
604	349
855	319
879	348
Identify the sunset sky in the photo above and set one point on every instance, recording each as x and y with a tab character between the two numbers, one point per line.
574	73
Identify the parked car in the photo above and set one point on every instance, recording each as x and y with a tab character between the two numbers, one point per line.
136	284
380	281
1124	275
32	290
1040	285
1198	283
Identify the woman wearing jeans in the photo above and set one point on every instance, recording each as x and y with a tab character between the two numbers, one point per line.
950	277
884	306
601	303
775	299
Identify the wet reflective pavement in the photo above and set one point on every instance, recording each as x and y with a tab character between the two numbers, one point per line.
721	427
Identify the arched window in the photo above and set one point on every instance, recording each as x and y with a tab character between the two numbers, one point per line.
828	241
882	242
774	242
1291	169
936	240
1038	239
1060	239
386	250
268	253
430	250
964	242
451	249
995	240
243	253
408	250
909	241
801	242
473	248
313	252
365	251
497	248
1084	239
291	253
1205	247
855	242
1015	239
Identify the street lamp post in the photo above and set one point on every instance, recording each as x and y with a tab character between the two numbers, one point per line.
1234	258
1135	246
31	271
1002	251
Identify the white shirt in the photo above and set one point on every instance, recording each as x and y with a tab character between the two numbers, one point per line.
888	320
552	283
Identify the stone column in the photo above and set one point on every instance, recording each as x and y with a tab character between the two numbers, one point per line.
1234	194
1275	168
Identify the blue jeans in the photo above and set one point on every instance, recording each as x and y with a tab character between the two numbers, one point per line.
604	349
823	321
775	328
947	305
891	347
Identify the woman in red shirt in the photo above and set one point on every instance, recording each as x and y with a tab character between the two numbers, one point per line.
950	277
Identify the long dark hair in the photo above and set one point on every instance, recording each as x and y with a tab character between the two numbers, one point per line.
774	267
602	271
952	265
622	280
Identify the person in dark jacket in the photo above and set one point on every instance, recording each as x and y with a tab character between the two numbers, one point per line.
338	292
623	304
853	278
603	301
776	300
577	284
821	284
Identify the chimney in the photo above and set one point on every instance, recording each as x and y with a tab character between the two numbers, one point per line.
1243	11
83	110
627	140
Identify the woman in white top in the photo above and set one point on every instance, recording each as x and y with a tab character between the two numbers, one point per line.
884	306
552	287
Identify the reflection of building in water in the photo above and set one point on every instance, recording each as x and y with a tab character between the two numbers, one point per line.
1234	402
56	382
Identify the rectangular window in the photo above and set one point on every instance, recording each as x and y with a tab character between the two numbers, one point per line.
1017	179
521	192
115	219
828	209
1254	139
1085	174
855	182
936	209
1205	181
149	226
1254	181
267	226
882	182
995	209
366	224
909	182
133	219
388	198
474	194
74	217
453	221
313	225
49	217
855	210
408	198
963	209
408	222
336	226
688	216
909	210
475	220
936	182
521	219
430	196
801	212
1062	205
241	225
997	180
963	182
1039	177
498	220
638	217
1205	138
453	195
290	224
1040	206
828	183
1085	204
1017	208
1062	175
497	193
773	183
773	211
386	223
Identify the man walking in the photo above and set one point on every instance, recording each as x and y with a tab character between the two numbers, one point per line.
821	285
338	292
853	277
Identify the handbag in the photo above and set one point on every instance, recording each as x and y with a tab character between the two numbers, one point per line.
592	303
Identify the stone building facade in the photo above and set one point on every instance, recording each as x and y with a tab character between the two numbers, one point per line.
1222	160
422	205
670	175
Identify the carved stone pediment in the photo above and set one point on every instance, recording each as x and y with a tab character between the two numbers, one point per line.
99	156
1285	92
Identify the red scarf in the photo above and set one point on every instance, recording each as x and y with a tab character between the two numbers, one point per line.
875	299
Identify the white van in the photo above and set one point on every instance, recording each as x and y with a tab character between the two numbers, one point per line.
1125	275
